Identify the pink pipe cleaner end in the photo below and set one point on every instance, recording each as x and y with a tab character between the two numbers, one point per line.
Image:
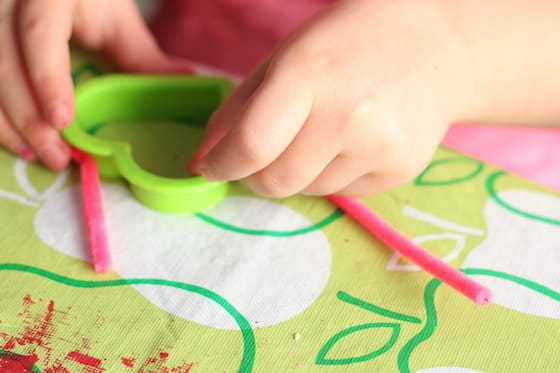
484	297
93	208
408	249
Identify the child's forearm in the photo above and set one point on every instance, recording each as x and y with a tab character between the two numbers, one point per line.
515	52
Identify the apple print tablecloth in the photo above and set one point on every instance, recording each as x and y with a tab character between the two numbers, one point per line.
259	285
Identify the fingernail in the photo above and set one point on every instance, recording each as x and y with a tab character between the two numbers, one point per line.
53	156
26	154
59	115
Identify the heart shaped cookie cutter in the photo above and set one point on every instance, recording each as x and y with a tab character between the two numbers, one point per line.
144	98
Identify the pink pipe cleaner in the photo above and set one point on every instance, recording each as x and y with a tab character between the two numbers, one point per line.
408	249
93	209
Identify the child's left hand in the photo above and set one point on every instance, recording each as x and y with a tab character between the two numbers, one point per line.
354	102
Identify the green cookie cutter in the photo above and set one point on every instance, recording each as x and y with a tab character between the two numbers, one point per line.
133	97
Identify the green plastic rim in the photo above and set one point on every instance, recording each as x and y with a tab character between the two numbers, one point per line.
133	97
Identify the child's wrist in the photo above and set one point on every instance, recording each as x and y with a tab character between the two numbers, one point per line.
510	47
465	60
458	80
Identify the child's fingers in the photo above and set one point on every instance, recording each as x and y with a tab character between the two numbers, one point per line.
269	121
346	175
313	149
133	47
226	116
11	140
47	143
359	172
44	29
367	185
340	172
8	136
19	106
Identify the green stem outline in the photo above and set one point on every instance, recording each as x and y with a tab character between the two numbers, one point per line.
345	297
263	232
537	287
429	328
403	359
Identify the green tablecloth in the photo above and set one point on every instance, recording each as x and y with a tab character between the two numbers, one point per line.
258	285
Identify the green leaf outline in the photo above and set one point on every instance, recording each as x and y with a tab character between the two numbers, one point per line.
491	189
420	178
322	358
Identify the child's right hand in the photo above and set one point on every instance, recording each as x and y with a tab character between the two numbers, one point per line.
357	99
36	93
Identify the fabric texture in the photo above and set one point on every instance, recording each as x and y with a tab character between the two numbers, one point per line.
261	285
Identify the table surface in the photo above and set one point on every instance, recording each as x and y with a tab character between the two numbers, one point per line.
264	285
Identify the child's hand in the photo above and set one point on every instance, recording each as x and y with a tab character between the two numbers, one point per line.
36	94
354	102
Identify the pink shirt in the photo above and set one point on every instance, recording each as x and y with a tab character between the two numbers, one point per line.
234	35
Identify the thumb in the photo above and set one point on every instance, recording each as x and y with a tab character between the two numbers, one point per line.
130	44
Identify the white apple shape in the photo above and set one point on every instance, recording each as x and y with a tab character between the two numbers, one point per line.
521	246
268	279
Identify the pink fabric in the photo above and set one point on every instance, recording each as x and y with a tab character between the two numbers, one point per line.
533	153
234	35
